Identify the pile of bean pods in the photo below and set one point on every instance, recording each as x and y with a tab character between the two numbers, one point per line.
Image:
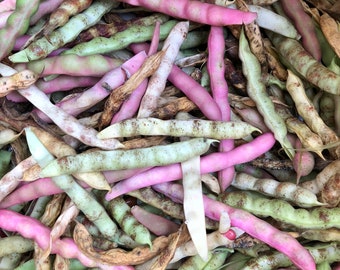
163	134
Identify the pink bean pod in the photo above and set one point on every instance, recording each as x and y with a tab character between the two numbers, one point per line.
33	229
192	89
155	223
305	26
12	179
252	225
7	5
3	18
196	11
101	89
45	187
262	230
219	88
210	163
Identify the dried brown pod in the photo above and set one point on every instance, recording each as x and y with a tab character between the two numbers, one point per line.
330	193
117	97
175	240
254	36
169	110
331	29
117	256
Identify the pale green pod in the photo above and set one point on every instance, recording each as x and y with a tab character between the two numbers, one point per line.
282	211
5	159
191	127
127	159
121	212
215	260
256	90
93	210
321	253
323	266
15	244
273	188
68	32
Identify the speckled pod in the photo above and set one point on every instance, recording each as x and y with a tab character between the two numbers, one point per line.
280	210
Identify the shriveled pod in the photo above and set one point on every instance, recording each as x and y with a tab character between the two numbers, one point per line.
253	33
191	127
330	193
316	185
283	211
157	81
215	239
20	80
273	188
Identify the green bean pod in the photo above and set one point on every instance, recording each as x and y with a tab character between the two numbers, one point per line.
120	40
121	212
256	90
5	159
16	25
282	211
127	159
68	32
321	253
192	127
215	260
281	190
